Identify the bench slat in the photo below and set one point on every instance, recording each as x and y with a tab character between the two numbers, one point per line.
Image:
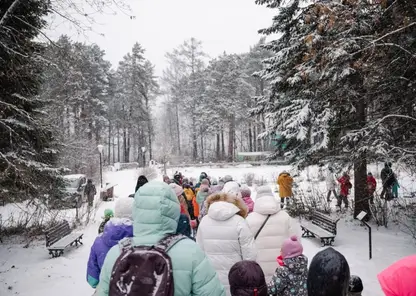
65	241
316	230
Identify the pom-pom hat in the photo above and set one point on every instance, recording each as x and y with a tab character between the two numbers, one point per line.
291	248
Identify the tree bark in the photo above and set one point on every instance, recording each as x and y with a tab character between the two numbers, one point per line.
178	129
202	146
360	169
250	138
231	139
118	142
222	144
218	150
194	140
109	142
254	138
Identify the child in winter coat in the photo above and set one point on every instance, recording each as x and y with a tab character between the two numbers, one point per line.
329	274
291	277
356	286
247	279
371	186
345	190
184	223
108	214
246	195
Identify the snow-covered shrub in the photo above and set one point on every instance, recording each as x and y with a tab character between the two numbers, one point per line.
248	179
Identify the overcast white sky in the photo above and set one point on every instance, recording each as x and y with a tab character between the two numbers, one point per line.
161	25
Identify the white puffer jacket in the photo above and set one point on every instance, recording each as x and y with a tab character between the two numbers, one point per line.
331	182
279	227
225	238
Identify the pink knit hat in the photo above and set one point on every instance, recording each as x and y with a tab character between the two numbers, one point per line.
291	247
245	192
178	189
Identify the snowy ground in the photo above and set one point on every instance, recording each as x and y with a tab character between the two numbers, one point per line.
30	271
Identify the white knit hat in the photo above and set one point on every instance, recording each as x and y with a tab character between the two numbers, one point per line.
124	208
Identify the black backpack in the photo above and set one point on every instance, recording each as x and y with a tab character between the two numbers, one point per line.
144	270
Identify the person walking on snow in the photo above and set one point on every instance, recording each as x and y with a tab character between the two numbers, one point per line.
331	184
117	228
291	277
247	279
184	223
90	191
371	186
156	213
224	235
345	189
329	274
108	214
388	180
399	278
285	182
277	226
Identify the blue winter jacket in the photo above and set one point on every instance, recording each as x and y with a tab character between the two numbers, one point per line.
114	230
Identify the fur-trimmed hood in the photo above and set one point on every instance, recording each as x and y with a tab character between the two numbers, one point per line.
223	206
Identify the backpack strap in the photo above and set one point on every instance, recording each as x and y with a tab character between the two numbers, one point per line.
126	243
166	243
261	227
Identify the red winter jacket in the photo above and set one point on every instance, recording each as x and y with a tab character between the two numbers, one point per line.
345	185
371	184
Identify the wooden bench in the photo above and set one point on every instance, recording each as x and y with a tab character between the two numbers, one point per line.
60	237
322	227
107	192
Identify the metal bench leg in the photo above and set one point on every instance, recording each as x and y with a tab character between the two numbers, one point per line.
327	241
307	233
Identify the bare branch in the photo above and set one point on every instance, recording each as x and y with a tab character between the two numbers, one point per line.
9	12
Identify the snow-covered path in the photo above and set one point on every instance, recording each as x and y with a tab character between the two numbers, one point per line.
31	272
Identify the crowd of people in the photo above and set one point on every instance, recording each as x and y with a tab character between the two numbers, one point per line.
176	238
390	185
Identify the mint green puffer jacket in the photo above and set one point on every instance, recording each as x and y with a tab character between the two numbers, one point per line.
155	214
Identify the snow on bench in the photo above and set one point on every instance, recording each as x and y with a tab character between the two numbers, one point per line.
322	227
59	237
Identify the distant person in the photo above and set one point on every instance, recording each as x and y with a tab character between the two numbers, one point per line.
246	195
202	176
177	178
399	278
329	274
355	287
108	214
270	226
224	235
184	223
388	180
155	218
166	179
285	182
346	185
140	182
331	183
115	229
371	186
291	276
246	278
90	191
395	188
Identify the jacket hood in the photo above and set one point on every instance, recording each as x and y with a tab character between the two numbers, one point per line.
115	230
229	205
156	211
297	265
399	278
232	187
222	210
266	205
329	274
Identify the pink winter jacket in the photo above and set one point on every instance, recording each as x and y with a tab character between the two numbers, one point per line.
399	279
249	203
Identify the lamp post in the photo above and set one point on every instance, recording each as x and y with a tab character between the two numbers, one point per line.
100	150
144	156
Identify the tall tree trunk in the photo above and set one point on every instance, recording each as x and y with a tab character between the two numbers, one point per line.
360	168
250	138
150	141
218	150
109	142
125	144
231	132
254	138
202	146
128	146
222	144
118	142
259	141
178	128
194	140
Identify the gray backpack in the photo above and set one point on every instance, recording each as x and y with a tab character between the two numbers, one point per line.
144	270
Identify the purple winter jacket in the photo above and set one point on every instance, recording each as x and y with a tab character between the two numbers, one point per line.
115	230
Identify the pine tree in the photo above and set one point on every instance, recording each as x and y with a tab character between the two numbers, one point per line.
27	149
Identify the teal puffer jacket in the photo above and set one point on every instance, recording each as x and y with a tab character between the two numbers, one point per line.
155	214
